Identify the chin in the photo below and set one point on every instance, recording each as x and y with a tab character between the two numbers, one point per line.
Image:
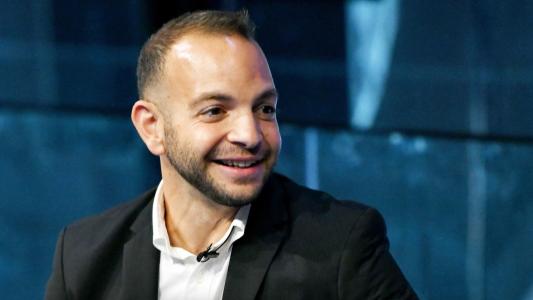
244	191
234	187
238	194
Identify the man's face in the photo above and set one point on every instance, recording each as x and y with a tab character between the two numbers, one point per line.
219	100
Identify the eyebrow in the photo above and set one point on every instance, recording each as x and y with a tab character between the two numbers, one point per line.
221	97
210	96
269	93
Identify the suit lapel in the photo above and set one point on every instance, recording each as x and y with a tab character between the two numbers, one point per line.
140	269
252	254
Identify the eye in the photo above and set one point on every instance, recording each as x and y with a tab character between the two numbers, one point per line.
214	111
267	111
212	114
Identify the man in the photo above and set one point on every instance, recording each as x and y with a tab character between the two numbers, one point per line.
219	226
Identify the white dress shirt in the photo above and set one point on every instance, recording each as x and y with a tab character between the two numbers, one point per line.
181	276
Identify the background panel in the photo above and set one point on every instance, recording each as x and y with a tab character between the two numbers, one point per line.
57	168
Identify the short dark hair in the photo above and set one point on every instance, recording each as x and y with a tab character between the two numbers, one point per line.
151	62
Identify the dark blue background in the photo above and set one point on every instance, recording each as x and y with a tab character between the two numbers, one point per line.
447	158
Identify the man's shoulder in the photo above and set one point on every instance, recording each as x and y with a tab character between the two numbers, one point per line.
327	221
122	215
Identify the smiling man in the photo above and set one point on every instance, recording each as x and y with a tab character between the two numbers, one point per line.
219	225
216	102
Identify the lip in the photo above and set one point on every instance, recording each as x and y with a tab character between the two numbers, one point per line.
252	172
251	158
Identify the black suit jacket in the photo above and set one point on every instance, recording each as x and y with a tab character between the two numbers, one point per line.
298	244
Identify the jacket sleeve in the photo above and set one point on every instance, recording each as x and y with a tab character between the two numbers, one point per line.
367	269
55	289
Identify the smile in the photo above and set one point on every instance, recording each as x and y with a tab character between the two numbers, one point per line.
238	163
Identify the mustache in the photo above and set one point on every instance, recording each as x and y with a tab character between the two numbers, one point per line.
261	151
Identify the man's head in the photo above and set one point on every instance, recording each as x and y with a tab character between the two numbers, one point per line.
207	106
151	60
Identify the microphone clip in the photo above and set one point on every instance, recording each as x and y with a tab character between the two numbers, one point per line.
207	254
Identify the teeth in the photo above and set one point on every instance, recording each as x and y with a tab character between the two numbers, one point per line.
238	164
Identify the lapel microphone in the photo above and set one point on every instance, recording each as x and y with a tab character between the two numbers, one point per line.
208	253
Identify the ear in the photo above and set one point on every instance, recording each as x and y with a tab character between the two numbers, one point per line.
149	124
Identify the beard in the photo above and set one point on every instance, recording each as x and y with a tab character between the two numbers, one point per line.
192	167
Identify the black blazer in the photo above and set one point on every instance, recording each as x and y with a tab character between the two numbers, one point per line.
298	244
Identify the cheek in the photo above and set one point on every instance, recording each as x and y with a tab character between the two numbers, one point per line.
204	140
272	136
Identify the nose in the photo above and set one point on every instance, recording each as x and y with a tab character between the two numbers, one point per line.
246	132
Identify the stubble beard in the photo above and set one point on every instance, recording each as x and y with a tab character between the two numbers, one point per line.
192	168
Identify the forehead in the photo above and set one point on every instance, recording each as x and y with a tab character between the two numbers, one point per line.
197	44
201	60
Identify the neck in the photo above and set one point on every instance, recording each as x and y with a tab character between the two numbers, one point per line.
193	221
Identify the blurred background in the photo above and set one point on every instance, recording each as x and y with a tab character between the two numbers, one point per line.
419	108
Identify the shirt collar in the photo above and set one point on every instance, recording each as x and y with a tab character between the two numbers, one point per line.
161	240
